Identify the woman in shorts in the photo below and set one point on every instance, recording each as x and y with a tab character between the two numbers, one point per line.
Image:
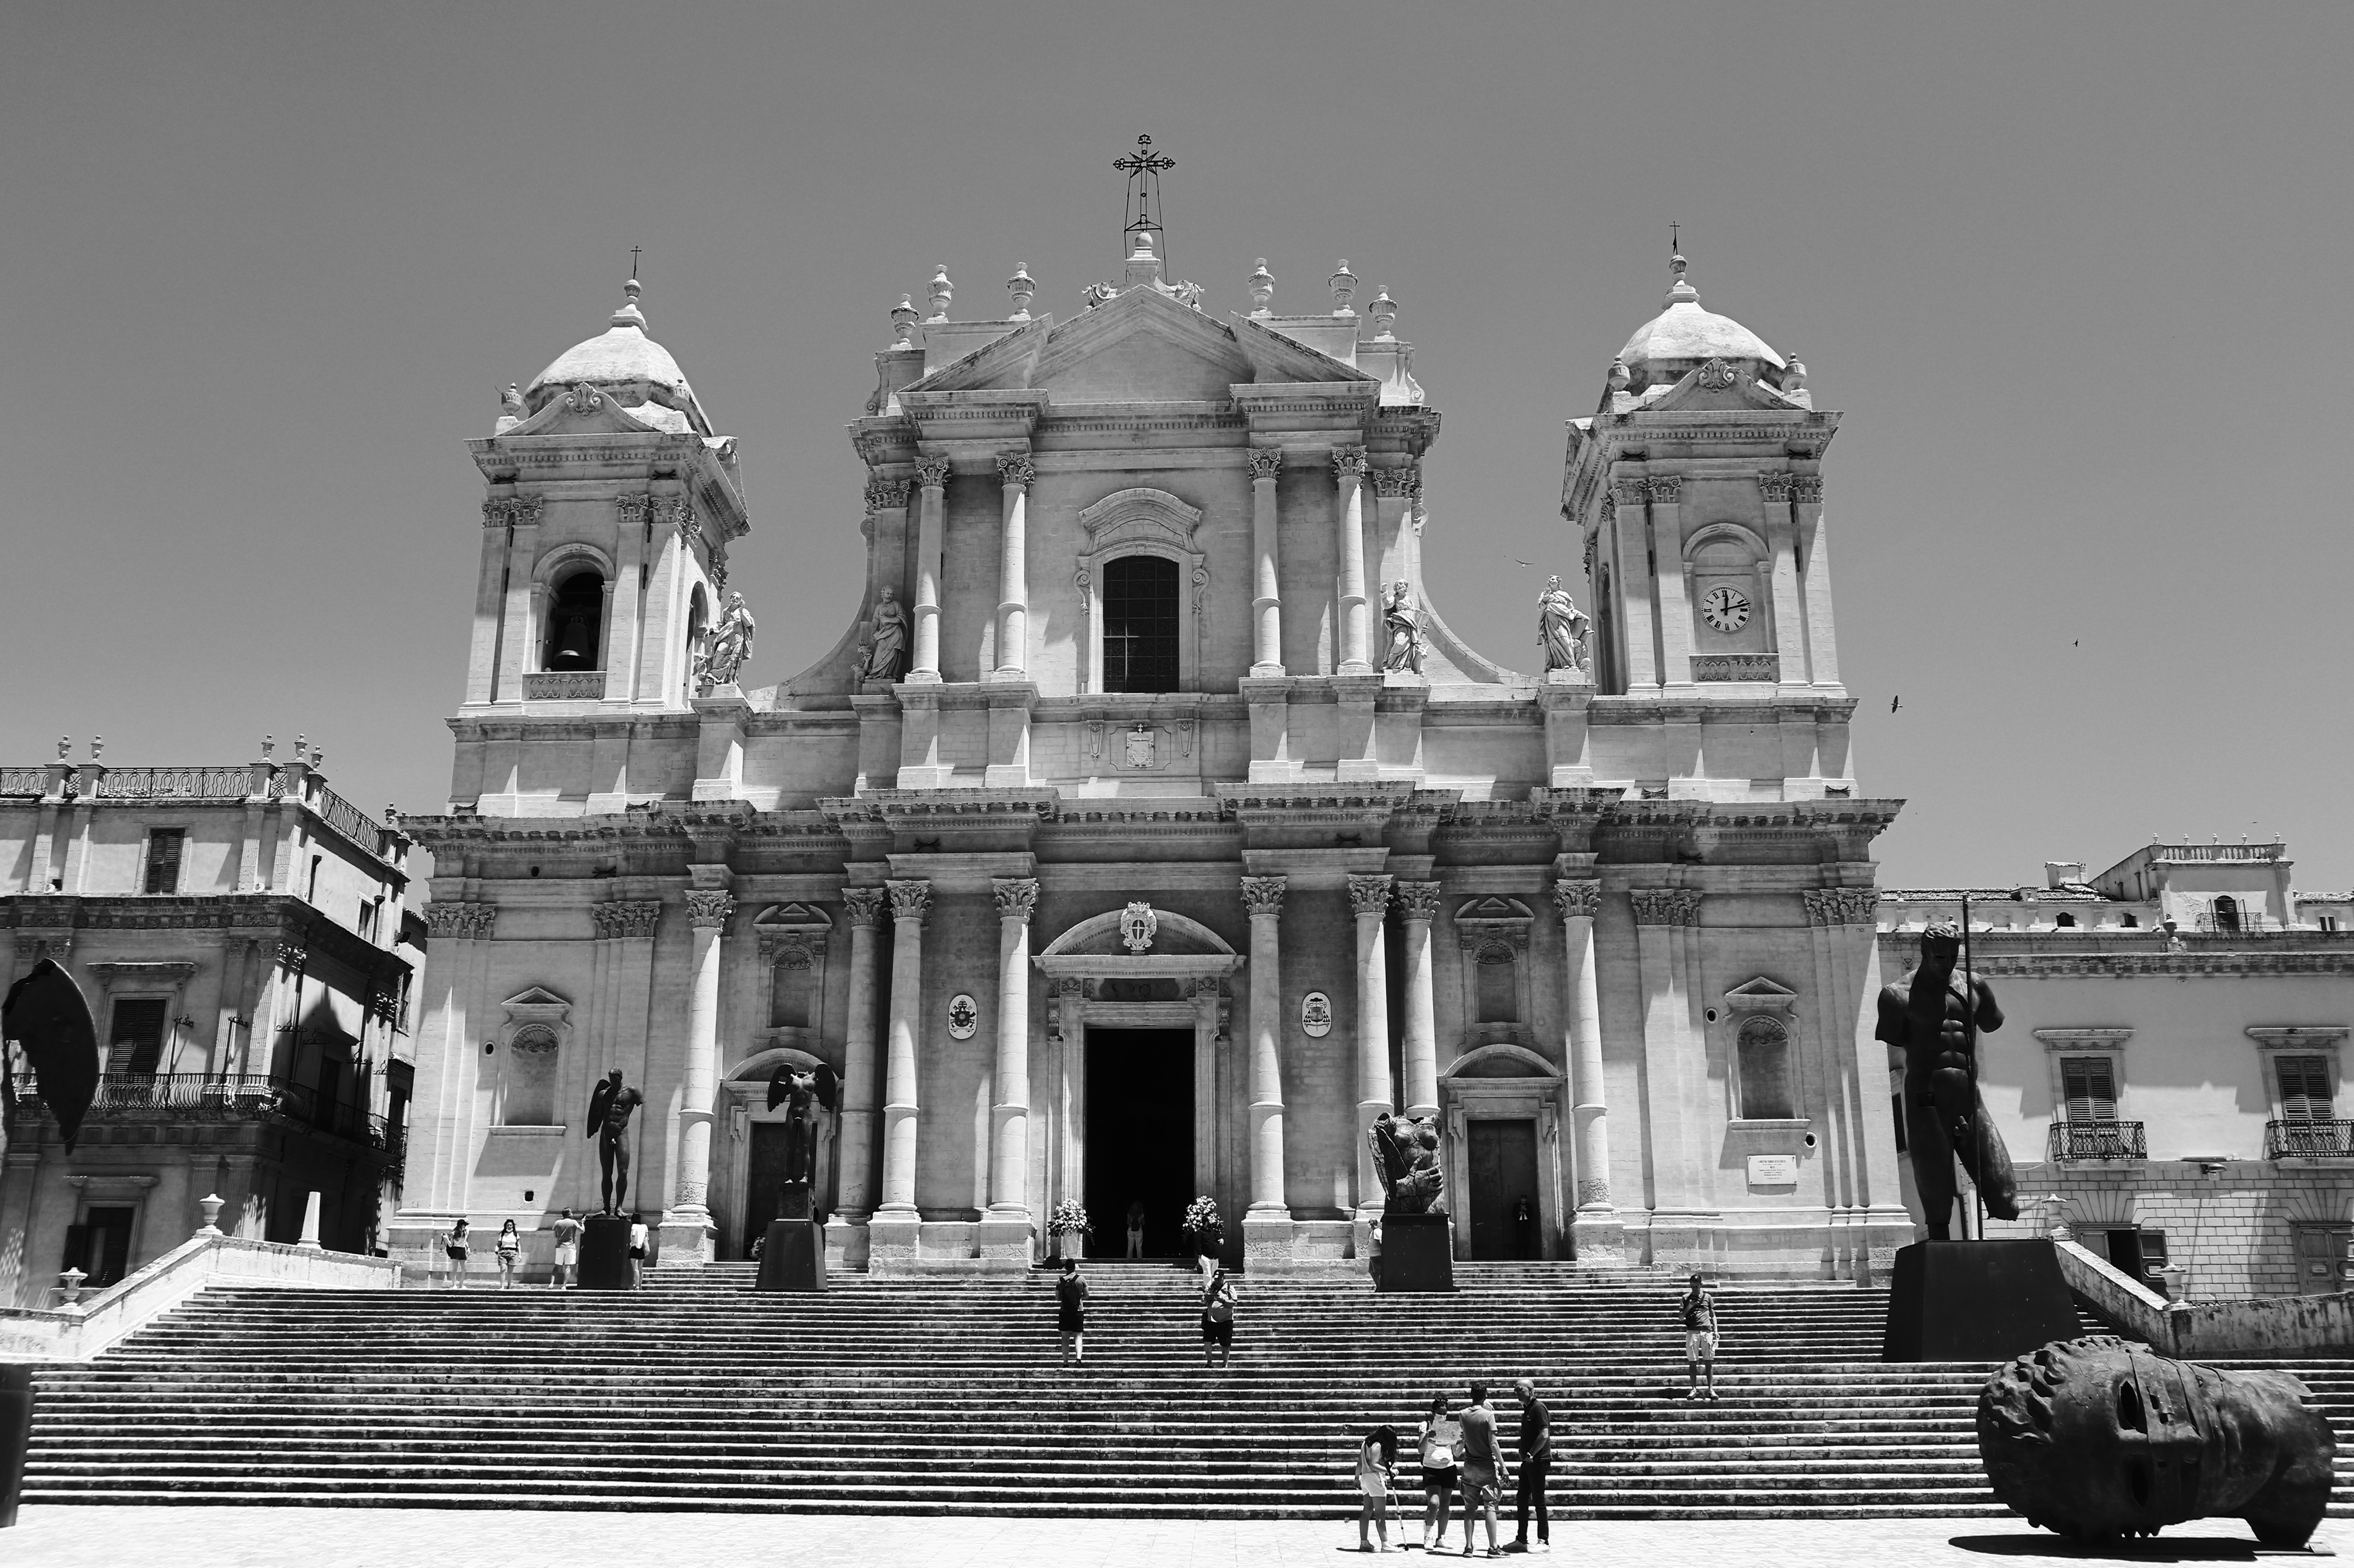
1071	1312
1434	1444
1376	1464
1218	1320
509	1249
455	1246
637	1250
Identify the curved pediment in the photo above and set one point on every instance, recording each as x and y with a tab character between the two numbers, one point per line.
1176	936
1140	515
1503	1062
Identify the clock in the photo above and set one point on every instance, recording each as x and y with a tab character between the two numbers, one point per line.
1725	608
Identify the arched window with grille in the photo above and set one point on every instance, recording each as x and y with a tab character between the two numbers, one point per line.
1141	612
1762	1061
2227	913
527	1080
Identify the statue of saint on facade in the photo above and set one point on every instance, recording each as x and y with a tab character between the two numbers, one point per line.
1405	624
886	650
729	644
609	1106
802	1091
1935	1015
1561	628
1406	1154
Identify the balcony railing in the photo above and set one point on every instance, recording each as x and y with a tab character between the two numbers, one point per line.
175	783
1736	666
2309	1140
564	685
2098	1141
197	1096
211	784
24	780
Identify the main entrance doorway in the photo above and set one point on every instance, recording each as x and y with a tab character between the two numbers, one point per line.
1503	1171
764	1179
1139	1137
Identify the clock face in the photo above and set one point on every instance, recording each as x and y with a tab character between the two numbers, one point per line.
1726	609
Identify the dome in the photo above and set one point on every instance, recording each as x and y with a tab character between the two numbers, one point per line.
1683	336
637	372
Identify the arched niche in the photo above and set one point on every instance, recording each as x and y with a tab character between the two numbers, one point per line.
1505	1083
1728	559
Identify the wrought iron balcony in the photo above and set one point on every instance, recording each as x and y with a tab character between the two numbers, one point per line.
2098	1141
198	1096
2309	1140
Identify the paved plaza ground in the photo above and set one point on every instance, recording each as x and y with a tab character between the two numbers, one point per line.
53	1537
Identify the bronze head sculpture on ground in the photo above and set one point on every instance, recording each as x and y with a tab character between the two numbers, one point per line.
1406	1154
1936	1014
2096	1437
609	1106
802	1091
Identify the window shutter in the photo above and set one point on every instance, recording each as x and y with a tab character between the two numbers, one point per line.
163	860
135	1043
2305	1088
2090	1085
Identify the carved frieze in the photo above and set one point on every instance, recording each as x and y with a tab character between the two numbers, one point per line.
1716	375
1665	906
1263	896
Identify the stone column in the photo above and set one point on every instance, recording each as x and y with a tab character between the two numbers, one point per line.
1009	1149
1348	513
1014	577
855	1194
1417	904
1266	602
1623	512
1672	1097
911	902
1370	897
516	631
1262	897
1815	570
1789	617
490	599
687	1230
1596	1228
932	475
1675	597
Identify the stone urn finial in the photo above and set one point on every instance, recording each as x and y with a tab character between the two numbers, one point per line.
1022	286
211	1204
1344	289
1384	310
1262	290
942	291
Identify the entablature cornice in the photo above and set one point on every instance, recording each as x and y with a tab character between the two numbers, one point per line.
1641	708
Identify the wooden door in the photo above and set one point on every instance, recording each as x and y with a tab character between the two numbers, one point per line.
1503	1171
2321	1259
106	1246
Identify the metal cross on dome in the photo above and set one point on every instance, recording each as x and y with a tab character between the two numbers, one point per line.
1143	168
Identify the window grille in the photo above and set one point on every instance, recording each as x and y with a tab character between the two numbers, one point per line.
1140	618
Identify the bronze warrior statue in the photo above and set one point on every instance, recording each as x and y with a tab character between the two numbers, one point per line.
801	1090
609	1123
1936	1014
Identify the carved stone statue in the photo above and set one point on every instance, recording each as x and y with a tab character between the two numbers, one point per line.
609	1106
802	1091
2095	1438
1406	1154
1935	1015
729	644
886	650
1561	628
1405	624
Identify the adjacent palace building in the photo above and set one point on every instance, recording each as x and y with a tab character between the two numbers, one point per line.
1148	832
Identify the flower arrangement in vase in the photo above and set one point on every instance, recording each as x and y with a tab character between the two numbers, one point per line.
1204	1225
1069	1227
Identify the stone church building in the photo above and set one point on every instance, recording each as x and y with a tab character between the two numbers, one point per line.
1148	832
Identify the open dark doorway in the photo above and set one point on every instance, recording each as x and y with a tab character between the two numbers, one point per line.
1139	1137
1503	1172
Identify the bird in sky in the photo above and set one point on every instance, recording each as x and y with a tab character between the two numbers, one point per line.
1518	562
1895	702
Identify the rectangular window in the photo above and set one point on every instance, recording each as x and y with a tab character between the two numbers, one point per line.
2305	1088
2153	1251
134	1039
163	860
2090	1085
1140	632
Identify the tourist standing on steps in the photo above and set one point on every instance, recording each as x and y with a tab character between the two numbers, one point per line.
1699	1309
1377	1463
1374	1252
637	1240
1484	1473
1536	1460
1071	1313
1434	1444
1136	1229
1218	1320
567	1250
455	1246
510	1247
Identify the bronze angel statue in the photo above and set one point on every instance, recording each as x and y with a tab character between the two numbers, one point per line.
802	1091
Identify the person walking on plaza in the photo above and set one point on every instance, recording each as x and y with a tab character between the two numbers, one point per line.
1376	1464
1135	1228
1435	1446
1699	1309
456	1246
638	1243
1071	1312
1536	1461
567	1250
1218	1320
510	1247
1484	1472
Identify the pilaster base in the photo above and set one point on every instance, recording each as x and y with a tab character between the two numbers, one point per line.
892	1241
1005	1241
1599	1236
1267	1241
686	1239
845	1244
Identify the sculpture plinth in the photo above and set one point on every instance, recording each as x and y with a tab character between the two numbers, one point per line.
1975	1301
15	1436
605	1253
1418	1254
792	1254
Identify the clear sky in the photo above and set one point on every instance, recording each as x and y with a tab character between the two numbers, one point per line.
2075	273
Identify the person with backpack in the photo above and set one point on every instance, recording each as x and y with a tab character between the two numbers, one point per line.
1218	1320
1136	1229
509	1249
1377	1463
1071	1312
1699	1309
567	1250
1435	1446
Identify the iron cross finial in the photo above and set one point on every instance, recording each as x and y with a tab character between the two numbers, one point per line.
1143	159
633	260
1673	243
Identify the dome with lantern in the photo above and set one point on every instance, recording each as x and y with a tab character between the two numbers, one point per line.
631	368
1683	337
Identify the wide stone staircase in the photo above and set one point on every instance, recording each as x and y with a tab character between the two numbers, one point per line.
944	1397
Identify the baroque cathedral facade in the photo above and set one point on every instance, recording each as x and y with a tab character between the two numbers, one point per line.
1148	832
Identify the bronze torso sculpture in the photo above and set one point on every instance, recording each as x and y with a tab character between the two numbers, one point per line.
609	1123
802	1091
1406	1154
1936	1014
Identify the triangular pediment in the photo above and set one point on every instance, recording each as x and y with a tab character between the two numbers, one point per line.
1492	906
793	917
1001	362
1276	359
537	996
1141	347
1761	995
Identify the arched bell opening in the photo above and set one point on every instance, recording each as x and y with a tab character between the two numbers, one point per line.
574	622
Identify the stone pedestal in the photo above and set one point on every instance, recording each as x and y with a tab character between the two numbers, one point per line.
604	1253
891	1243
1977	1301
15	1436
1599	1238
689	1239
1002	1244
792	1256
1418	1254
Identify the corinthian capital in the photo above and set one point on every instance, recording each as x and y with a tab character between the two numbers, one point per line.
1397	482
1265	462
1575	900
1349	465
1015	468
910	900
1630	492
1807	488
884	494
1263	896
1418	901
708	908
1369	894
1017	896
626	918
1665	906
1773	487
932	472
865	905
1666	488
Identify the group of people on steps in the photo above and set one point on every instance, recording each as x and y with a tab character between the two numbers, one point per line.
1217	1313
458	1244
